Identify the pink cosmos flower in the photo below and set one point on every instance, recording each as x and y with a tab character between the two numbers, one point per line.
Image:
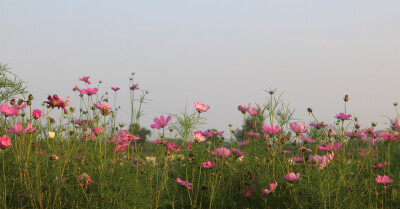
253	112
36	113
84	179
208	164
389	137
207	133
237	152
244	109
272	187
8	111
379	165
330	147
302	148
342	116
307	139
134	87
271	130
321	161
222	151
105	109
18	129
298	129
242	143
161	122
54	157
85	79
297	159
5	141
96	131
184	183
198	136
256	135
317	125
201	107
383	179
88	91
291	177
122	140
248	191
115	88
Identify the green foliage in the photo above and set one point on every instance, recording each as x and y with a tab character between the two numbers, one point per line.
10	84
141	132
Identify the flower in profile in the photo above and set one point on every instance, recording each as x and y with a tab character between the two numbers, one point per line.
383	179
242	143
342	116
8	111
36	113
256	135
306	139
201	107
237	152
272	187
88	91
54	101
198	136
330	147
291	177
286	151
184	183
85	79
271	130
318	125
161	122
104	109
5	141
208	164
222	151
379	165
253	112
84	179
297	159
18	129
244	109
115	88
298	129
96	131
389	137
52	134
134	87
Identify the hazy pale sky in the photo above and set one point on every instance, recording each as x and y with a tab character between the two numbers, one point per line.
221	53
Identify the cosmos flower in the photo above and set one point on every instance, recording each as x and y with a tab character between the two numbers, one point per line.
383	179
115	88
85	79
298	129
84	179
272	187
184	183
307	139
134	87
8	111
36	113
343	117
198	136
18	129
271	130
222	151
104	109
161	122
201	107
208	164
5	141
88	91
244	109
237	152
291	177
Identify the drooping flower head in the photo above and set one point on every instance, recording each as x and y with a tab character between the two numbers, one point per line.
88	91
298	129
8	111
85	79
208	164
18	129
161	122
5	141
201	107
271	130
343	117
383	179
272	187
198	136
291	177
184	183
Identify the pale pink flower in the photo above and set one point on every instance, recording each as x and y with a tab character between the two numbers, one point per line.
271	130
383	179
242	143
5	141
237	152
298	129
161	122
330	147
253	112
184	183
208	164
54	157
36	113
8	111
18	129
198	136
291	177
104	109
201	107
297	159
272	187
321	161
222	151
302	148
342	116
88	91
307	139
85	79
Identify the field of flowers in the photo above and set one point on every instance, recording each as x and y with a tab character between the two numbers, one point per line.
86	159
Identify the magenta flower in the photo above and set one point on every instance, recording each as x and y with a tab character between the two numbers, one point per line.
321	161
253	112
342	116
184	183
134	87
271	130
297	159
272	187
389	137
306	139
115	88
84	179
330	147
286	151
96	131
85	79
237	152
222	151
104	109
379	165
248	191
5	141
161	122
317	125
208	164
36	113
8	111
291	177
18	129
383	179
298	129
88	91
198	136
201	107
244	109
207	133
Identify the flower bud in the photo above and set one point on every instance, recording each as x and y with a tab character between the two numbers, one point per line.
395	104
51	134
373	124
20	101
12	102
346	98
309	110
30	97
330	133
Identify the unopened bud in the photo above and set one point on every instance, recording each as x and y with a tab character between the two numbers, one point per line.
373	124
309	110
30	97
330	133
12	102
20	101
395	104
346	98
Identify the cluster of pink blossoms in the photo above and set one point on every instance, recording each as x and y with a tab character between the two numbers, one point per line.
122	140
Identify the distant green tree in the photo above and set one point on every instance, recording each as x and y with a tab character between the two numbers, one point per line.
251	125
140	132
10	84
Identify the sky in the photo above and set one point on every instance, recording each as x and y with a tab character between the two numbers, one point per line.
220	53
